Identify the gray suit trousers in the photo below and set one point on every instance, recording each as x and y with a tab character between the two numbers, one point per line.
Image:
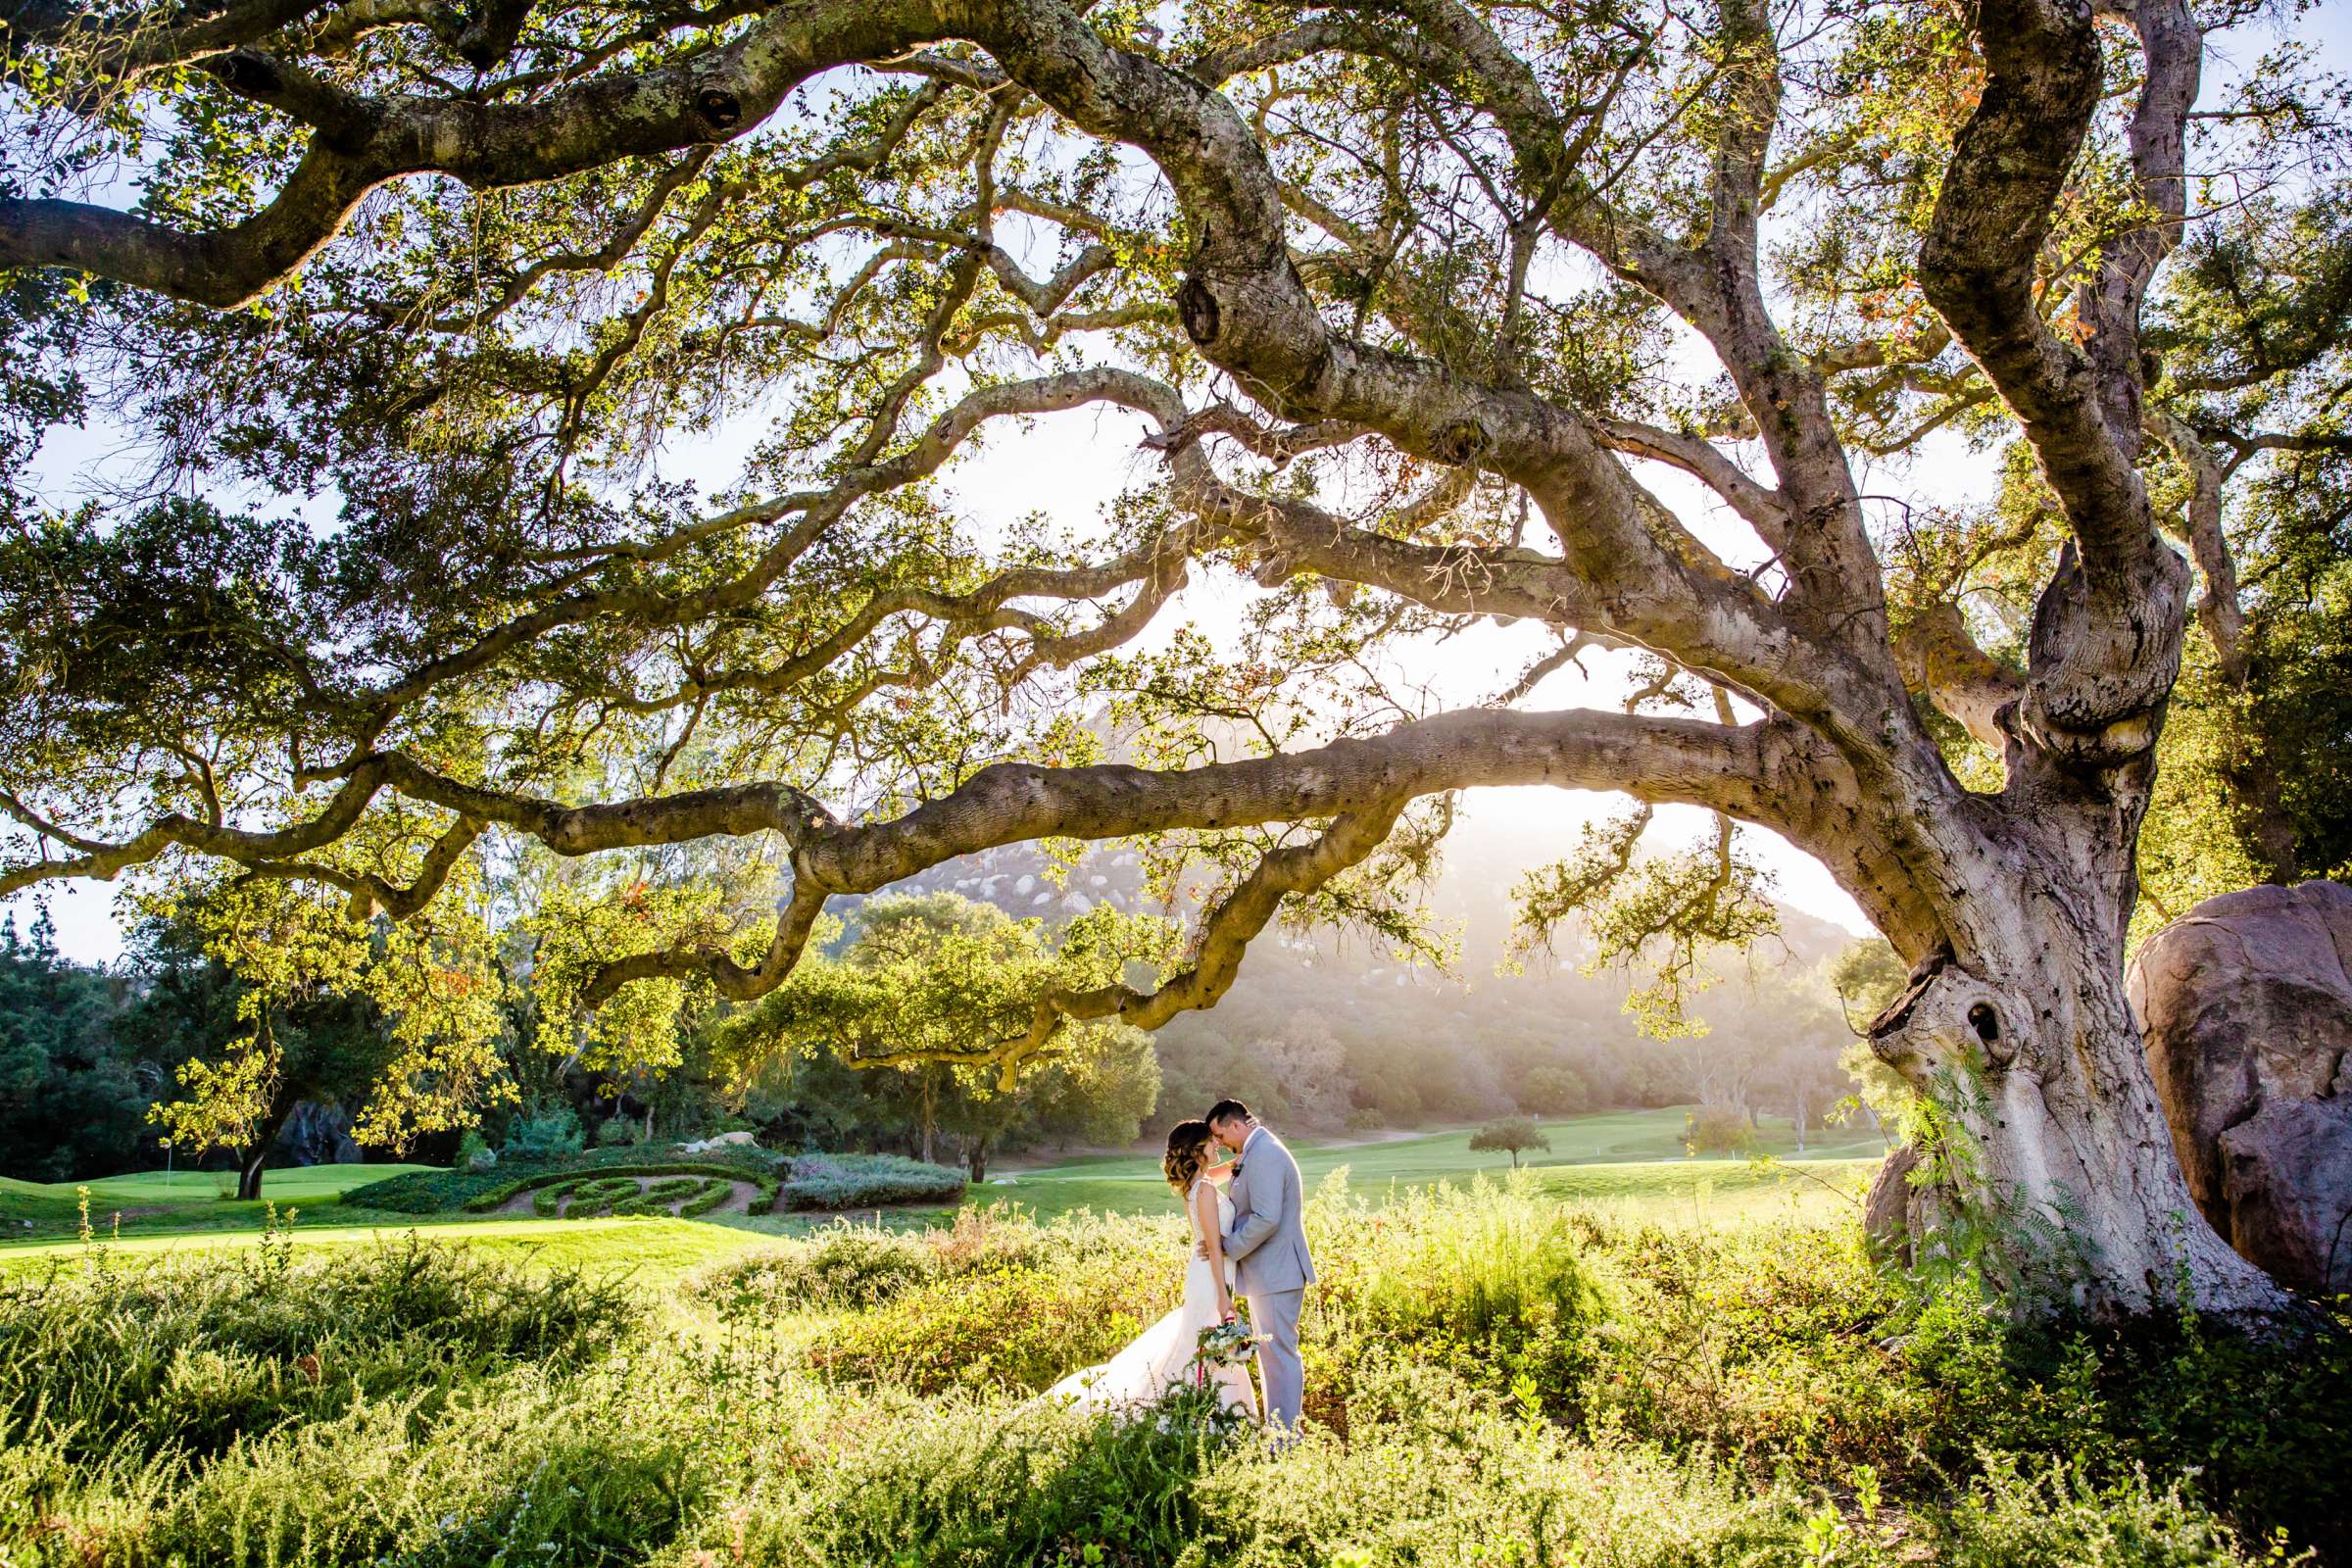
1275	1315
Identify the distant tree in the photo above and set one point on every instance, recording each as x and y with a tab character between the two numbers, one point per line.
1554	1089
1867	977
268	997
1307	1059
1103	1098
1717	1130
927	974
73	1100
1512	1134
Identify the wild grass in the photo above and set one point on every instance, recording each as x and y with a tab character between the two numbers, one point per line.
1501	1379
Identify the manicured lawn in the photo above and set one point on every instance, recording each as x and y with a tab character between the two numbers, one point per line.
1632	1160
299	1184
1629	1162
146	1202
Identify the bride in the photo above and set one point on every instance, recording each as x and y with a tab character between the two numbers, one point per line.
1164	1354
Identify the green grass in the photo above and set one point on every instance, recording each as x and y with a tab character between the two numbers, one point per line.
1629	1163
1494	1378
151	1203
1632	1161
656	1251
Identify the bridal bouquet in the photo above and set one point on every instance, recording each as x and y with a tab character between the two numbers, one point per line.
1225	1344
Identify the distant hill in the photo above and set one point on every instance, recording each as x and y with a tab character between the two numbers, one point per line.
1401	1042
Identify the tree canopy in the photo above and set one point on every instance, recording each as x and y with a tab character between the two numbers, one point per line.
1428	313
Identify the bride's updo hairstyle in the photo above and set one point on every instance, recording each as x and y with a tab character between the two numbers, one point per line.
1188	1152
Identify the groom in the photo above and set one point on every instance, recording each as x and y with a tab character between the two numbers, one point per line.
1268	1246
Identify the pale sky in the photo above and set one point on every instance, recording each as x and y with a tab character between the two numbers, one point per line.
1069	465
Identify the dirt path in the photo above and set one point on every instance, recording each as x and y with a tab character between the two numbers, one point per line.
737	1202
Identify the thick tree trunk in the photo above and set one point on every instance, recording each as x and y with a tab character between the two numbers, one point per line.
975	1156
2018	1028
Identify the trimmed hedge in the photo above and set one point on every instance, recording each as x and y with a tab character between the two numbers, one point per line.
868	1181
657	1196
436	1192
763	1198
715	1192
814	1182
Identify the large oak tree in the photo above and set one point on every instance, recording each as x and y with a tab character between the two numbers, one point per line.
1411	298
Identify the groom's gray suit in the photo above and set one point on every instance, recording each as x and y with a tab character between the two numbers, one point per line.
1268	1246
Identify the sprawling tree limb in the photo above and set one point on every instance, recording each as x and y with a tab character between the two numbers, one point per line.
2096	690
1941	660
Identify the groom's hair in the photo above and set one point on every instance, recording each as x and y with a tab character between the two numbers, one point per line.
1226	1111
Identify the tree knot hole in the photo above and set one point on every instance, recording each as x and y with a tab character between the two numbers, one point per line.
1987	1026
1459	442
1197	308
250	74
719	110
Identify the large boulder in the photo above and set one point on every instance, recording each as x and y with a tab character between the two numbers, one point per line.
2246	1003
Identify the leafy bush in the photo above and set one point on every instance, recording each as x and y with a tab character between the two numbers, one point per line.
2057	1517
1006	1328
545	1136
583	1200
716	1189
660	1197
1717	1130
1490	1282
474	1153
842	1265
1366	1119
868	1181
619	1132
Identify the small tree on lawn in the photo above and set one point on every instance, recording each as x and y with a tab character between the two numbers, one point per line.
1511	1135
269	997
927	975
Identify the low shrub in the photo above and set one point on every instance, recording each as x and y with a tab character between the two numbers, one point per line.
868	1181
201	1352
1006	1328
1718	1130
2055	1516
547	1135
842	1266
619	1132
660	1197
716	1189
585	1199
1491	1282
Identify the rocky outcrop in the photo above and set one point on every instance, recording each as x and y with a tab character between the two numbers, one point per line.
2246	1003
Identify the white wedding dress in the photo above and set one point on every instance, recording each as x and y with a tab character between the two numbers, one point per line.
1164	1354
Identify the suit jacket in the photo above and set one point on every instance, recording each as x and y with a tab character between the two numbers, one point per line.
1267	1243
